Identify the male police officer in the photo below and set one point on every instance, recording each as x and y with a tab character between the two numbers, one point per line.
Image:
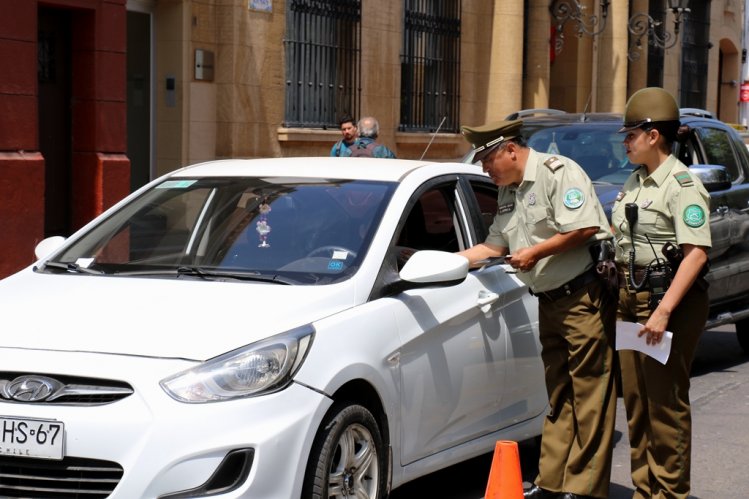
547	217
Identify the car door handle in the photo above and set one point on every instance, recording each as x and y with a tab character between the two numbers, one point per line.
486	298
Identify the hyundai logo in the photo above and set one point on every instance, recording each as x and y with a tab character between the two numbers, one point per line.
31	388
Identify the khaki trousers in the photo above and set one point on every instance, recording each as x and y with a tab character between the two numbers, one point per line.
656	397
577	339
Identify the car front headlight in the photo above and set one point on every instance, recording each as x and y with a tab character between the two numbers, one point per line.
259	368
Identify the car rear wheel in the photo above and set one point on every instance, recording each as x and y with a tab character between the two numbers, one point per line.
742	334
348	457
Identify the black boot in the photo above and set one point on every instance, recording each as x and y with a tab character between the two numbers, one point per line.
537	492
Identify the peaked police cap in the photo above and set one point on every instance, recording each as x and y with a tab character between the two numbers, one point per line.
485	138
649	105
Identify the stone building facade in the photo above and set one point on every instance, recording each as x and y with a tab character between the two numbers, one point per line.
153	85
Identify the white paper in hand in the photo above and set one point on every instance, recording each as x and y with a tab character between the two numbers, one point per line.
627	339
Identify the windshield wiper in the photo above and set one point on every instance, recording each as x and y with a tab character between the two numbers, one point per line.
71	267
210	274
241	275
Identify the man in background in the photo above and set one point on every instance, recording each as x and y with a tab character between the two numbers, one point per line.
349	133
366	145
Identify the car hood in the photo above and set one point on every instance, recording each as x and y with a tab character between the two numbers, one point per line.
175	318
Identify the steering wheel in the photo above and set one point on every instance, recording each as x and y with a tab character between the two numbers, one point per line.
329	250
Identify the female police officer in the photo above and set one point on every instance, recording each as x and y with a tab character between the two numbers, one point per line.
662	209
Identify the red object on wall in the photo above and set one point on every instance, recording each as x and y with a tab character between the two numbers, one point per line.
100	170
744	94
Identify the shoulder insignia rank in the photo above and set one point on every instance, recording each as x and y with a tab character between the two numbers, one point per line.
619	195
553	163
684	179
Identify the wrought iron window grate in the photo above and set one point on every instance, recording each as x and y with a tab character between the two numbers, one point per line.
430	66
323	62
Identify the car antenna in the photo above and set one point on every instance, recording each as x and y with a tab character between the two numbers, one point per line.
432	139
587	105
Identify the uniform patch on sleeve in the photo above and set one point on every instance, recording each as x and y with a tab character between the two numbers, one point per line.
574	198
694	216
553	163
684	179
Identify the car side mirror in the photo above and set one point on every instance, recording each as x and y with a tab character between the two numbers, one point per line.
47	246
713	177
434	267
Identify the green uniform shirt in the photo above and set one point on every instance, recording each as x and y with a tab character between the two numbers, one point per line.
672	207
555	196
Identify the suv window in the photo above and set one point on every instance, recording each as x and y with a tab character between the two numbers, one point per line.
597	148
718	150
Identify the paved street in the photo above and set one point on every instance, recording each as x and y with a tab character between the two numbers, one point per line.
720	411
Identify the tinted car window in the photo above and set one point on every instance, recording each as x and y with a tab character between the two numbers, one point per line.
718	149
430	223
486	196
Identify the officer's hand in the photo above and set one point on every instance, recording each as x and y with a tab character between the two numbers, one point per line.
522	259
655	327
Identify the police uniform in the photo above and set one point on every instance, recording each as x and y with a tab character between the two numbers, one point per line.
576	314
672	207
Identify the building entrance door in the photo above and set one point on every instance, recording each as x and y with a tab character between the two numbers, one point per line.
139	148
55	139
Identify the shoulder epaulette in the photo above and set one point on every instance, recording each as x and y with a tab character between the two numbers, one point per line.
684	179
553	163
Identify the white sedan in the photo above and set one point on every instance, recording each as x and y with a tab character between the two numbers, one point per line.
275	329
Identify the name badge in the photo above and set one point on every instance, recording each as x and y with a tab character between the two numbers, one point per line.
506	208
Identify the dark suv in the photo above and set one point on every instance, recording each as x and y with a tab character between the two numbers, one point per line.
714	151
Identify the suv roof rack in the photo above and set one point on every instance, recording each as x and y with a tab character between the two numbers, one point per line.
693	111
534	112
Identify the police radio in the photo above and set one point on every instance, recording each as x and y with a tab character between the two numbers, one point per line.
658	273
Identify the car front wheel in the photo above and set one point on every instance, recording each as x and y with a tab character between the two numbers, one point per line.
348	457
742	334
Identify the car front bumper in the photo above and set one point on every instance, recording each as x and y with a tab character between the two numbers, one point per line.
165	446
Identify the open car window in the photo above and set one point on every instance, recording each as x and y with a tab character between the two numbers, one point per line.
434	221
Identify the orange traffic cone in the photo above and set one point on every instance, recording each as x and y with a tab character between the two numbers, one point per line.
505	479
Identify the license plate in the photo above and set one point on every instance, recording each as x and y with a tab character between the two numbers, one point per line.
40	438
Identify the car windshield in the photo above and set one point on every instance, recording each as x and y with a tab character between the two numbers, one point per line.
292	231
